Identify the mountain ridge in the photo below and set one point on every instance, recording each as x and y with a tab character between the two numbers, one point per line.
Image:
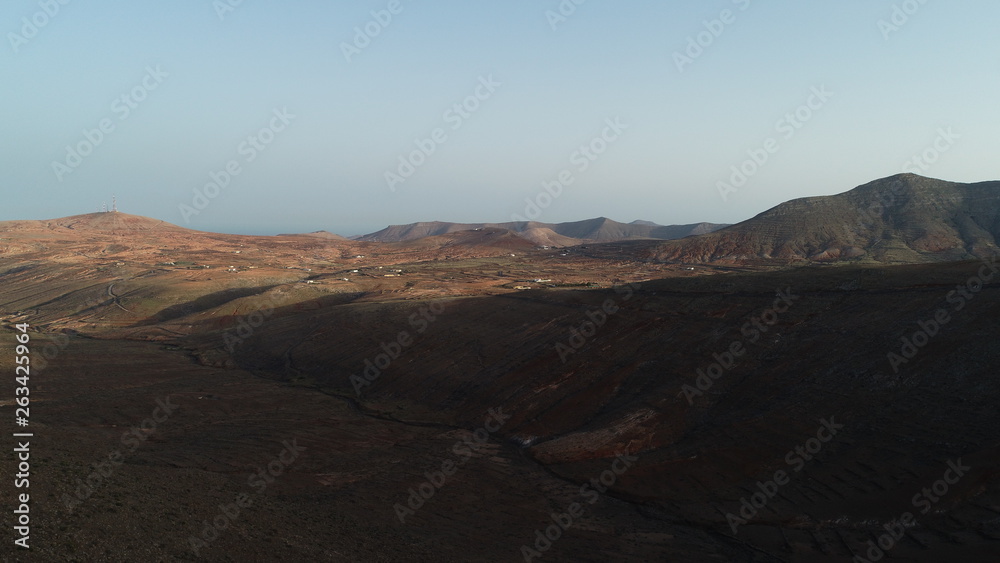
904	218
598	229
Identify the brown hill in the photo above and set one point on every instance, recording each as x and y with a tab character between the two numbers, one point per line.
545	236
900	219
476	241
600	229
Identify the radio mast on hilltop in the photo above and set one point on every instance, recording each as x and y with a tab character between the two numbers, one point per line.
114	204
104	207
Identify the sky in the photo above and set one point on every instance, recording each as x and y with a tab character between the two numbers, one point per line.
261	117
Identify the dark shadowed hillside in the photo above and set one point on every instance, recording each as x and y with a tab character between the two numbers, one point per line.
814	346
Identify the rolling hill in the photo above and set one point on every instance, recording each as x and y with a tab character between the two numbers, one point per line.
107	223
600	229
900	219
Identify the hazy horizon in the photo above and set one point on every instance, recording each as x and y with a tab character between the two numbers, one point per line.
339	107
271	229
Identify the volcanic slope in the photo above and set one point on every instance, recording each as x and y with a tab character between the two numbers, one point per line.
900	219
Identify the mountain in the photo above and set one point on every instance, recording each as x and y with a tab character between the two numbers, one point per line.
900	219
600	229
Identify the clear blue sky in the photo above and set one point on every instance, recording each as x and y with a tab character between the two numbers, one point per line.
893	90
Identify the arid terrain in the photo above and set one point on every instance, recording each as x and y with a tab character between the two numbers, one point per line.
782	389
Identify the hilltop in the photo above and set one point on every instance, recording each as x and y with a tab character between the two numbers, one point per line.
112	222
